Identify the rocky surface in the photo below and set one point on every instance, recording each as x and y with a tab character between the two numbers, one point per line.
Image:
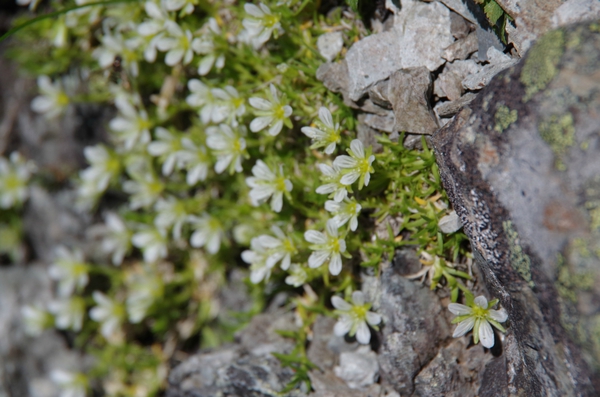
521	166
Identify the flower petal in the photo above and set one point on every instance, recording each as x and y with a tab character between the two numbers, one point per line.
486	334
459	310
498	315
481	301
363	333
463	327
340	304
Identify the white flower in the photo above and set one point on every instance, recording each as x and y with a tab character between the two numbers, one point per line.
113	46
70	270
14	176
116	238
109	313
354	317
153	243
168	147
279	248
260	23
265	183
178	46
202	98
131	127
326	246
72	384
68	313
327	134
478	317
171	213
257	257
271	113
205	45
344	211
333	186
35	320
145	189
143	290
297	276
53	101
153	30
208	233
357	165
228	146
229	103
186	6
104	167
196	161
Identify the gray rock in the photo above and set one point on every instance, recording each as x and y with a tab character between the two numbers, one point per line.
573	11
498	62
328	385
382	123
334	76
459	26
359	369
450	223
461	48
409	91
414	326
532	19
521	168
379	94
319	352
421	32
447	109
449	82
330	45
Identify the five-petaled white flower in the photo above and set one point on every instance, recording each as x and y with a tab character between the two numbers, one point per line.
178	46
70	270
260	23
327	134
131	127
279	248
143	289
297	276
153	243
265	183
104	167
205	45
109	313
326	246
354	317
271	113
115	237
478	318
145	188
202	97
257	258
333	186
357	166
53	101
171	212
72	384
68	313
208	233
344	211
196	161
228	146
14	175
168	147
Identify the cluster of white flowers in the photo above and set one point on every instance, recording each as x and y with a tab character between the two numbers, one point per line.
266	251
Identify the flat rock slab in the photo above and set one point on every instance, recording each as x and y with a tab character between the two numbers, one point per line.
409	92
521	166
420	34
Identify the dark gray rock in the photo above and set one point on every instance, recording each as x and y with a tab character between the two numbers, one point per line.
462	48
521	168
409	92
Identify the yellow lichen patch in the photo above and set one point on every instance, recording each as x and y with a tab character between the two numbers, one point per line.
519	260
504	117
559	133
541	63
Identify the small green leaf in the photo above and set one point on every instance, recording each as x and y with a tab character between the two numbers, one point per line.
353	4
493	12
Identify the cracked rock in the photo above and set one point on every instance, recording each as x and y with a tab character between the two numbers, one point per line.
421	32
409	92
498	62
462	48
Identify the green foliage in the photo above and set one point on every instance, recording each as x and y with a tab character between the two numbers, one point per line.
496	15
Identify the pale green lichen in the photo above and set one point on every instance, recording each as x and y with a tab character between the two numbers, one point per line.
519	260
504	117
541	63
559	133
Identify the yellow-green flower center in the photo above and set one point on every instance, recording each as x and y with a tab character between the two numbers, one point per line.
62	99
479	312
360	312
280	184
270	20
